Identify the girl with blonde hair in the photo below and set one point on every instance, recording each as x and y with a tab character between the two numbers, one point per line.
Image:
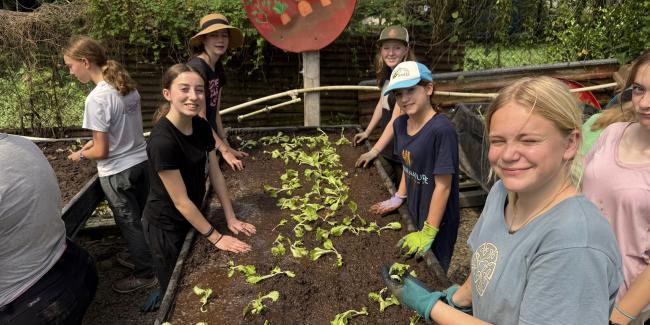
542	253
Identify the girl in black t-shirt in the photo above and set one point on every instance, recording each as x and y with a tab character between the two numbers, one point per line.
211	43
179	145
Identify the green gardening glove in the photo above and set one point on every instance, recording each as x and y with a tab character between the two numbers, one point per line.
450	300
418	242
412	293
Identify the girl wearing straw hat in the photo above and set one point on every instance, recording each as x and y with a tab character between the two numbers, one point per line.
212	41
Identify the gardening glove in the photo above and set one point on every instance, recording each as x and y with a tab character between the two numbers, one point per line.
366	158
152	303
449	295
389	205
359	137
412	293
418	242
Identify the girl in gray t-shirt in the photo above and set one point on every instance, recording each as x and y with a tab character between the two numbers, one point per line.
542	253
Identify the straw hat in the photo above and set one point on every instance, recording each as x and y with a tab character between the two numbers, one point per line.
214	22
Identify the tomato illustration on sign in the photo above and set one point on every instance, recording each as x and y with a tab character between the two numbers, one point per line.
299	25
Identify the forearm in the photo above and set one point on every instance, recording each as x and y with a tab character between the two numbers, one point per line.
192	214
387	134
401	189
219	143
463	297
637	297
437	205
219	184
444	314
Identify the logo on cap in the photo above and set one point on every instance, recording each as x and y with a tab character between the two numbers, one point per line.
403	72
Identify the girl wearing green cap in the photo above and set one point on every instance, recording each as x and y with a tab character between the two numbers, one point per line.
393	48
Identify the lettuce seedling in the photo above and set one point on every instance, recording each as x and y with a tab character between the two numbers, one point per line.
297	249
253	279
344	317
322	233
246	270
415	319
256	306
397	270
205	295
317	252
282	223
278	247
383	303
342	140
278	138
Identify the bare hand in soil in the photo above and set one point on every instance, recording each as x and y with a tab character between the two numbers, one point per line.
232	161
237	226
238	154
74	156
232	244
388	206
358	138
366	158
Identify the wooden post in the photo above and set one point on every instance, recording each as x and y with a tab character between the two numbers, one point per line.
311	75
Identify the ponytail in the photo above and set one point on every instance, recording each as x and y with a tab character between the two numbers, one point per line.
84	47
115	75
162	110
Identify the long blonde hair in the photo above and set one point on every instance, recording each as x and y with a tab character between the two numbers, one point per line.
84	47
549	98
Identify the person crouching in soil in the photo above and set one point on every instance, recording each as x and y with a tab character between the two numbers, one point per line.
428	146
542	253
180	143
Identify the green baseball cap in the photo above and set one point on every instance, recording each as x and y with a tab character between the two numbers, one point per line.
394	32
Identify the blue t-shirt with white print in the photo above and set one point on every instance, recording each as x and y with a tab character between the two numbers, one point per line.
561	268
433	150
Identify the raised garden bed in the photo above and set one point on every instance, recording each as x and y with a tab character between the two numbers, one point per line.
78	182
320	290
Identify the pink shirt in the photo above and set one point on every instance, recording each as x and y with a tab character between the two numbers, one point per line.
622	193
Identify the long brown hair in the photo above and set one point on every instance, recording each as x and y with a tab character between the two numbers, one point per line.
84	47
626	113
168	78
382	70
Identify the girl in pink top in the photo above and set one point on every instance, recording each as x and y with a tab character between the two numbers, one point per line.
617	180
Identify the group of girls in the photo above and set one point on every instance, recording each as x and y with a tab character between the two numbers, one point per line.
548	248
542	252
155	188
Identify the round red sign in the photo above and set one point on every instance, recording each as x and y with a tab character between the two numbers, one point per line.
299	25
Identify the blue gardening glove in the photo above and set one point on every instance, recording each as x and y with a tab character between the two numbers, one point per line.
450	301
412	293
152	303
418	242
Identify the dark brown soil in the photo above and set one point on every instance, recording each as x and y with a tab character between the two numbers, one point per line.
320	290
72	176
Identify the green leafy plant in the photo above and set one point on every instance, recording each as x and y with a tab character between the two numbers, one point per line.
344	317
253	279
278	247
397	270
256	306
204	294
328	248
383	303
415	319
297	249
342	140
245	270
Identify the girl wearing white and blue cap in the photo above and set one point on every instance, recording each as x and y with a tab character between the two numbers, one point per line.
427	144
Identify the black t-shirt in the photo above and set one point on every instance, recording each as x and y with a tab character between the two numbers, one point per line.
432	151
386	115
215	80
169	149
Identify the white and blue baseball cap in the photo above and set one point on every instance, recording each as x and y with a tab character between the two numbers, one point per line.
408	74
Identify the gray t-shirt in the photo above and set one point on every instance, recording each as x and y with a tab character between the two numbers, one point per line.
562	268
32	234
120	117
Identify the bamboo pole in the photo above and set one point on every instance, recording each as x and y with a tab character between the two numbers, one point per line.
294	94
268	109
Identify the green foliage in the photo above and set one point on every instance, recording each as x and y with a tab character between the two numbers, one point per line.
482	57
155	28
620	30
41	98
